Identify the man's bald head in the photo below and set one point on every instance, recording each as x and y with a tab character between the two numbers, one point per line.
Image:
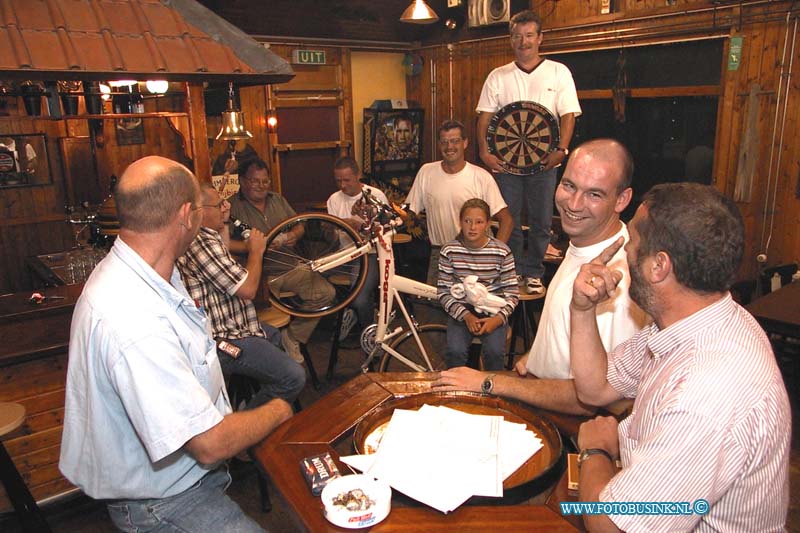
612	152
151	191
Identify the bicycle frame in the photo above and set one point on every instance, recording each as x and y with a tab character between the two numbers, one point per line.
391	286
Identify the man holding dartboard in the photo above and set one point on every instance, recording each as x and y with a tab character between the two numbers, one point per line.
522	141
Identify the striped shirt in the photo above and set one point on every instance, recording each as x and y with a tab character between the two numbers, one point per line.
212	277
494	266
711	420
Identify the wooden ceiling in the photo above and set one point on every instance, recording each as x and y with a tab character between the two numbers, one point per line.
352	20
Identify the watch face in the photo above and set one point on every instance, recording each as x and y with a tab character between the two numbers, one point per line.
487	385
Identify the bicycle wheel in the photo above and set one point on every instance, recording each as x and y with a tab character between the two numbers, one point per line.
294	287
433	338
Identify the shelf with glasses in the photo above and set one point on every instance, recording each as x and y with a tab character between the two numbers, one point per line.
104	116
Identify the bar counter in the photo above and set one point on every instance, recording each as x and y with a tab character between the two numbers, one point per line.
33	372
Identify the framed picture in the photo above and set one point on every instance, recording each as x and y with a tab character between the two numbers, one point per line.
129	131
24	160
393	146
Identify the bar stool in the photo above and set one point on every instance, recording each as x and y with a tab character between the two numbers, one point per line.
523	322
11	417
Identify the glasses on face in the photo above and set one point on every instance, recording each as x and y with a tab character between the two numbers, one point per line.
217	205
450	142
258	183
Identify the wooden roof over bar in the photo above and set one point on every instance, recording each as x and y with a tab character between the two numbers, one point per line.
176	40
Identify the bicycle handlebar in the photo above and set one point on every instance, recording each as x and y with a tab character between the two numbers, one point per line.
386	215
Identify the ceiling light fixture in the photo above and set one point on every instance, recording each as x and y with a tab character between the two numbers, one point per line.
419	13
157	86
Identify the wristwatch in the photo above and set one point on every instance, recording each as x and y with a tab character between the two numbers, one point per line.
585	454
559	149
488	384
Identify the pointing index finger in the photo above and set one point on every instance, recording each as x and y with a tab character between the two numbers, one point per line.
606	255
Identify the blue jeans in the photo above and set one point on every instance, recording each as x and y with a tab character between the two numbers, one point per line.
262	359
202	507
537	191
364	302
459	339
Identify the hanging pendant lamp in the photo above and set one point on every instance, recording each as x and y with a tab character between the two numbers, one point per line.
419	13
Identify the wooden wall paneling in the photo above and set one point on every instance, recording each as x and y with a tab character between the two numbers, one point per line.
319	87
787	214
763	32
80	174
727	113
35	446
758	64
254	104
20	239
345	82
160	139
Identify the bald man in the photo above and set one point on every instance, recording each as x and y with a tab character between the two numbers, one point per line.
147	423
595	189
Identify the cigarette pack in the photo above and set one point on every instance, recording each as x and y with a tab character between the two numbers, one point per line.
319	470
572	473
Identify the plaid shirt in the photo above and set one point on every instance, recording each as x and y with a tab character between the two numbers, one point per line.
212	277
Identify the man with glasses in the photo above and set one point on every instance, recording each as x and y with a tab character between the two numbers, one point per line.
442	187
225	290
147	422
530	77
256	205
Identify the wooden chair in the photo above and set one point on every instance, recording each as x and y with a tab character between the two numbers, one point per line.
11	417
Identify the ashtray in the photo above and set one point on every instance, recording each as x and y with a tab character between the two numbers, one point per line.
356	501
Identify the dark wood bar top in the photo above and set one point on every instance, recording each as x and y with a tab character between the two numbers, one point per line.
31	330
328	424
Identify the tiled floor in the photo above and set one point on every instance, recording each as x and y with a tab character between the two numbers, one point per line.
84	516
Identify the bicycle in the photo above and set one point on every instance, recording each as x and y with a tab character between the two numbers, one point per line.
331	248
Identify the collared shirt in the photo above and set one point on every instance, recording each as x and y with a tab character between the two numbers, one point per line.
212	277
143	379
711	420
276	211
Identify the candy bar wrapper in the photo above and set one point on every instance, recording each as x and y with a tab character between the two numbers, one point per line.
319	470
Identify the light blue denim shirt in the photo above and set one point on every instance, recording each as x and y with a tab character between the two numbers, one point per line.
143	379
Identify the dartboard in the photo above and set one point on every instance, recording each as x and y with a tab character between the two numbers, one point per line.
521	134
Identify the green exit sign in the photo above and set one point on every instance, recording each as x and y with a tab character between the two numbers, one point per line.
308	57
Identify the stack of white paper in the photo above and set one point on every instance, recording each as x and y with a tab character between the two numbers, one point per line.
441	456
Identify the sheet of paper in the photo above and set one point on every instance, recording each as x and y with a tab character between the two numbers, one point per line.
441	456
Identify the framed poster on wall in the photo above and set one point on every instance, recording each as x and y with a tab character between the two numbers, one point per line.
393	148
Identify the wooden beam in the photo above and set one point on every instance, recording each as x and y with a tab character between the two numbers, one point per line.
196	108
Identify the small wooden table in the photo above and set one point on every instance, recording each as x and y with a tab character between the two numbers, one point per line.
779	312
331	421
